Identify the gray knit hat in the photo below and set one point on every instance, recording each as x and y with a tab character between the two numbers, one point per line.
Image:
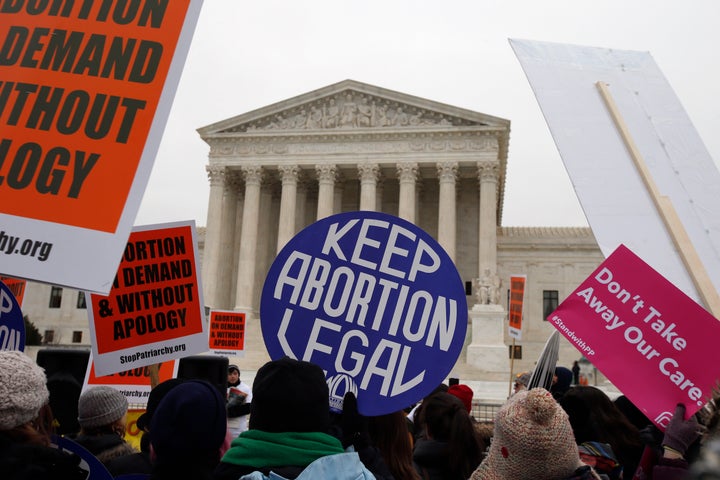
22	389
100	406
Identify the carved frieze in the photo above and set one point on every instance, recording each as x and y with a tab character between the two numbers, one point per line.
361	144
352	110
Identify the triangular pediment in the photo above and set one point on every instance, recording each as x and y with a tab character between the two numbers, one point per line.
350	105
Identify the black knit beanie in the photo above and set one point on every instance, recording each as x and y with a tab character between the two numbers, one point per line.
290	396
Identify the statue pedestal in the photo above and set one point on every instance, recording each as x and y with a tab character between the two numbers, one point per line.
487	350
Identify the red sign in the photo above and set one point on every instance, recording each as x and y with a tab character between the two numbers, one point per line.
646	336
227	332
517	293
81	82
16	286
155	303
85	91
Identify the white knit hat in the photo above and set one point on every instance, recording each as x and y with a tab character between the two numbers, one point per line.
532	440
100	406
22	389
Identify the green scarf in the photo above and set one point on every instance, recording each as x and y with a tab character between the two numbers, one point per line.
258	449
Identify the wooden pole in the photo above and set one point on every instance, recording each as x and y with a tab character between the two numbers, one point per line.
512	366
154	371
664	206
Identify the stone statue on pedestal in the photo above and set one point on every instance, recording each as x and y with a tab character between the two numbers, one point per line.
488	288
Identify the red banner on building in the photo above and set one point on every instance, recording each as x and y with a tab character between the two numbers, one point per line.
515	310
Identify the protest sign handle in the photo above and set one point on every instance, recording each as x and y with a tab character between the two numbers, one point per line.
512	366
154	370
680	238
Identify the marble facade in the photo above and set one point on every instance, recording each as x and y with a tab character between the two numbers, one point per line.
353	146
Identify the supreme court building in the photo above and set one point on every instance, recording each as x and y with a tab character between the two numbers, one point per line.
352	146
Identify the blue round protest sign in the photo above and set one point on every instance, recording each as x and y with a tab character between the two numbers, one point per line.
12	325
373	300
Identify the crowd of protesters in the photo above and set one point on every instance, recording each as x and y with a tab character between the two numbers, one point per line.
564	432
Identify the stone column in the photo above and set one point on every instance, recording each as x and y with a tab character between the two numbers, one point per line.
227	244
447	209
338	192
369	174
245	293
301	213
487	238
288	203
213	235
327	174
407	176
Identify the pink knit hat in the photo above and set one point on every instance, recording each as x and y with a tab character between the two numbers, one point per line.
532	440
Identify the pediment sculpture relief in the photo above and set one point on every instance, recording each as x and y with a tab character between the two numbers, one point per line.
351	110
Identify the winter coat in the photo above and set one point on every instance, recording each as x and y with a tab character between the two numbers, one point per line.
23	461
431	460
105	447
341	466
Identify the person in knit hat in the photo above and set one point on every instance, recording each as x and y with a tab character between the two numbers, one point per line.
464	393
288	434
102	415
140	463
26	424
532	440
187	431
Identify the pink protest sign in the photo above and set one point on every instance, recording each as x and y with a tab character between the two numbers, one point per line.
646	336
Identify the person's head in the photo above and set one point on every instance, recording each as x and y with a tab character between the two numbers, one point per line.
156	395
390	434
464	393
446	420
189	425
102	410
290	396
233	375
594	417
521	382
562	380
23	396
532	440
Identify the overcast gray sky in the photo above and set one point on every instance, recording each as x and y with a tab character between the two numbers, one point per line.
248	54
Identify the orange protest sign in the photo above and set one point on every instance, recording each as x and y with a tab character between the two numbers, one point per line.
81	82
16	286
517	292
86	88
227	332
135	383
135	376
154	311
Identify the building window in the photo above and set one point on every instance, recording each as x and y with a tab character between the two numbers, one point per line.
77	336
55	297
81	300
550	302
48	336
